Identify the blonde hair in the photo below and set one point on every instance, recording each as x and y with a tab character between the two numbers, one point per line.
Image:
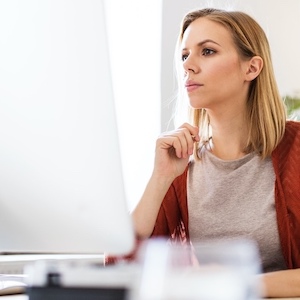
266	112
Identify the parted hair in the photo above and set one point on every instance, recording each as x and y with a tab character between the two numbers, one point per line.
266	112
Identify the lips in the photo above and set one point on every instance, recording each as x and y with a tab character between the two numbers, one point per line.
191	85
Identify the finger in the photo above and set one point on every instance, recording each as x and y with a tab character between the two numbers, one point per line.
194	131
179	146
183	143
191	138
182	140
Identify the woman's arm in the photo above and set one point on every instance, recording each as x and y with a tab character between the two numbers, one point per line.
172	153
145	213
280	284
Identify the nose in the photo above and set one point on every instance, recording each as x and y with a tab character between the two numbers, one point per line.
191	65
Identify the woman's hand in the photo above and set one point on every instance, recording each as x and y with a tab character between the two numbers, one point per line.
173	150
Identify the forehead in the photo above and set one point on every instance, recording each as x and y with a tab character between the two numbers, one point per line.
205	29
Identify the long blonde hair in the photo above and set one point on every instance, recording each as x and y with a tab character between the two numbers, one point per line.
266	112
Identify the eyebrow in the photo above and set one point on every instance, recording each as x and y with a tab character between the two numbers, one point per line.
204	42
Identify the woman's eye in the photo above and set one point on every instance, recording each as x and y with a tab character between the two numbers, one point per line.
184	57
208	51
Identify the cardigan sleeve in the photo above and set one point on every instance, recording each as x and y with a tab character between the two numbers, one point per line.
172	219
286	161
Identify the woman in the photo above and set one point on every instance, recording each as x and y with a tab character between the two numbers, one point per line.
244	176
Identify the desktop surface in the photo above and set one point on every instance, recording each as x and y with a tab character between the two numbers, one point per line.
14	297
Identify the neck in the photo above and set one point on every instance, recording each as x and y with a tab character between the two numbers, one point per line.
229	136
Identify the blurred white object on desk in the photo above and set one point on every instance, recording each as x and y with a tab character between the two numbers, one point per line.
210	270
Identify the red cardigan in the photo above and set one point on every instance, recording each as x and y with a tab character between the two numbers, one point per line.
172	220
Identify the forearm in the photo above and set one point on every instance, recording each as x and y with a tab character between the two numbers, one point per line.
281	284
145	213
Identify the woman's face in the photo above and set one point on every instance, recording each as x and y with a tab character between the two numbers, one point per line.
214	73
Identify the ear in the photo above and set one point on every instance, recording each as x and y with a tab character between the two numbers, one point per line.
254	67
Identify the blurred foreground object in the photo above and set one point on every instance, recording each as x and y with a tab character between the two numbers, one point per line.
210	270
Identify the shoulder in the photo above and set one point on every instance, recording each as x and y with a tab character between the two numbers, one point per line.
292	128
291	138
287	153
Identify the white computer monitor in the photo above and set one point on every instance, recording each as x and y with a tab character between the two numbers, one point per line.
61	183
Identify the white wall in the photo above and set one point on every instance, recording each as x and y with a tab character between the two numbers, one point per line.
135	34
280	20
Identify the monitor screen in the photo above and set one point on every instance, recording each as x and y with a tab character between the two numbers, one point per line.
61	182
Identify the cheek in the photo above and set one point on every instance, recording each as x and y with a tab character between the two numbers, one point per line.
227	75
225	69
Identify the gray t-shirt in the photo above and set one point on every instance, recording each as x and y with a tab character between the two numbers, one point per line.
235	198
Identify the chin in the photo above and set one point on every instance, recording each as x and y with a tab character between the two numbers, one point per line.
197	103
